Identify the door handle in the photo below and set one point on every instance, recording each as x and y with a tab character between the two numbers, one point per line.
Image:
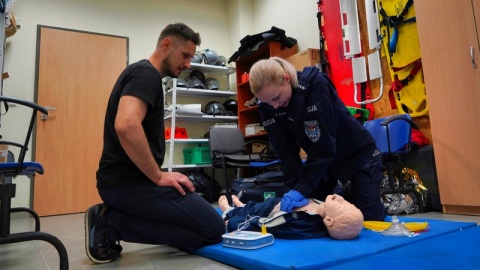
472	56
44	116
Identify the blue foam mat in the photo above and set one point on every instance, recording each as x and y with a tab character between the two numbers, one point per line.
324	252
457	250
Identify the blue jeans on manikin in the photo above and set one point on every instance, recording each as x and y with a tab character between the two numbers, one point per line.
145	213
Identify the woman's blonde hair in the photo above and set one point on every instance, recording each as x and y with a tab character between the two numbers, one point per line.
345	226
271	71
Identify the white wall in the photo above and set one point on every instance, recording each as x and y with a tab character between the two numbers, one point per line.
221	23
298	18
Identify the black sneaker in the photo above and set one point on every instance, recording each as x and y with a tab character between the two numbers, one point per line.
99	247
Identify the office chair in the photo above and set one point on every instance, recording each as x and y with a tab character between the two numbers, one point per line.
392	136
228	150
12	169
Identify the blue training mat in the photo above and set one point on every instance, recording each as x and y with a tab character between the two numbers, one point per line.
458	250
326	252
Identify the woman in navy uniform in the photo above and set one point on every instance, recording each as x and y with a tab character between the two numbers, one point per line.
303	110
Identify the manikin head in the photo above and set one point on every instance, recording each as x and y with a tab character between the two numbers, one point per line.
272	80
342	219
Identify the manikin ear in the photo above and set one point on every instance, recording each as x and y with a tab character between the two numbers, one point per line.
328	221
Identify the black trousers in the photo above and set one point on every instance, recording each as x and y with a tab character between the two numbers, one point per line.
145	213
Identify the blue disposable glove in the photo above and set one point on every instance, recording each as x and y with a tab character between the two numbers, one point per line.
291	200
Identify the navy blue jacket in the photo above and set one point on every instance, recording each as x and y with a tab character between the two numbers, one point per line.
337	144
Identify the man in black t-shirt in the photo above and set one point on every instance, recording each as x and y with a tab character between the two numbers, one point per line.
141	203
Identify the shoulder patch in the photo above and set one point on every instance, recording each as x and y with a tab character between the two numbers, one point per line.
312	130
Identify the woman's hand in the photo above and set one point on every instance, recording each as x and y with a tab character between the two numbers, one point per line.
292	199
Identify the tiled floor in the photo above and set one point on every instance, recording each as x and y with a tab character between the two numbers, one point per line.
69	229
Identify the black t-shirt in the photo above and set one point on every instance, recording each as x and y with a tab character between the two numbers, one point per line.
141	80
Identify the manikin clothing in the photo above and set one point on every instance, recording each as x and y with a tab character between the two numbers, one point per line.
337	144
298	225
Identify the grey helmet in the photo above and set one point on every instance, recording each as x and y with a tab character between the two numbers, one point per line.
197	58
210	57
180	83
214	108
221	61
212	84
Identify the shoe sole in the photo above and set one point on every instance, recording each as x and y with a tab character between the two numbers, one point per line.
87	238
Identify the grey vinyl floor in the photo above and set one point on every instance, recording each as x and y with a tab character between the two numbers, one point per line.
69	229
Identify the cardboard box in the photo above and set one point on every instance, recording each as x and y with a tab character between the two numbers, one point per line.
253	129
11	29
305	58
258	147
3	153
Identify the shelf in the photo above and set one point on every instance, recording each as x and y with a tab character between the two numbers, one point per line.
186	166
189	92
249	109
188	140
203	118
212	70
250	115
256	135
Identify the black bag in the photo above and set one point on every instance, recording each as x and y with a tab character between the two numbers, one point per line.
251	43
203	185
260	187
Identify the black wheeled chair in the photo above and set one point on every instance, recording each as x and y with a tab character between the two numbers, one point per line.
11	169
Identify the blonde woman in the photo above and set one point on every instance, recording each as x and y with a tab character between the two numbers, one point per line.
303	110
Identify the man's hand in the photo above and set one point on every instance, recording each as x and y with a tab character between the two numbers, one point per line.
176	180
291	200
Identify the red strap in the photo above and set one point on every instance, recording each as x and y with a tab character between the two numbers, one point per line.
407	65
391	97
398	84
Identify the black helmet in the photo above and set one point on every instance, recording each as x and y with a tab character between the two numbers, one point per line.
195	83
180	83
230	105
197	74
197	58
209	57
212	84
214	108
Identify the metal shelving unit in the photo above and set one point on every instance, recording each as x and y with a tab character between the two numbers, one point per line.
176	92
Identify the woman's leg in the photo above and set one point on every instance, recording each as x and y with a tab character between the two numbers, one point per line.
365	188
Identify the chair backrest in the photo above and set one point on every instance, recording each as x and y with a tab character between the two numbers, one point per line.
226	141
391	134
16	168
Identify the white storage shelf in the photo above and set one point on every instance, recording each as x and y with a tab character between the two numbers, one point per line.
174	157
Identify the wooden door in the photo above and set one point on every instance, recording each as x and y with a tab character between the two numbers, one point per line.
452	82
75	74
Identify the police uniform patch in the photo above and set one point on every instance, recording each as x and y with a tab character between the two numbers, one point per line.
312	130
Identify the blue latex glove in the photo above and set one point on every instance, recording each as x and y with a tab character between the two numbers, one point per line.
291	200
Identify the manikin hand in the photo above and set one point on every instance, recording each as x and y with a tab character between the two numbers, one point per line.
291	200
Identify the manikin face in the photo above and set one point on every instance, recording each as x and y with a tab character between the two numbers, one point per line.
276	95
178	57
335	205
